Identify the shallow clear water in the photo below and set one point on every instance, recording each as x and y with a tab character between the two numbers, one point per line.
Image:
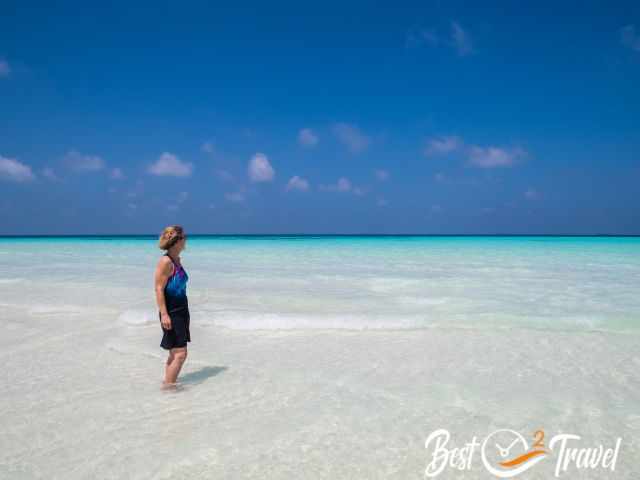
315	357
245	282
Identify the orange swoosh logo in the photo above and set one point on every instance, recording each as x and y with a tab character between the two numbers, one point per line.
522	458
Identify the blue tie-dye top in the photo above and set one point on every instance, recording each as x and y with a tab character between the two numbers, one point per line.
175	291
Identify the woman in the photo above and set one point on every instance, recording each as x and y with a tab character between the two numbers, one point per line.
171	296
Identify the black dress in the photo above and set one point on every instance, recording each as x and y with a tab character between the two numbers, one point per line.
175	296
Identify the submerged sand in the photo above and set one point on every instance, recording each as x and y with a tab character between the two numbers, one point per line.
86	402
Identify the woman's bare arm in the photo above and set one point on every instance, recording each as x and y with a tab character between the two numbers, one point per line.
161	277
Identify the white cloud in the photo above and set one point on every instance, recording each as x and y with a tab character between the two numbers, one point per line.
235	197
352	137
170	165
491	157
461	39
297	183
116	174
342	185
15	171
50	174
207	147
443	145
83	163
483	157
260	170
5	69
630	38
531	193
307	138
382	175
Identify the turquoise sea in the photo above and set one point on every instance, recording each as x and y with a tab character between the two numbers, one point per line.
352	282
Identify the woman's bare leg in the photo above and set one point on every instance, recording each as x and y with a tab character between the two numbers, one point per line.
174	364
166	365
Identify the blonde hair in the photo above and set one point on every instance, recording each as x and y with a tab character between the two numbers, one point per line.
170	236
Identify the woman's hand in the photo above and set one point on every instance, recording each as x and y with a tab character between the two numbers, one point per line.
165	320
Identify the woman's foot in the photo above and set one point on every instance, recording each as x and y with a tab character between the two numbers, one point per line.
170	386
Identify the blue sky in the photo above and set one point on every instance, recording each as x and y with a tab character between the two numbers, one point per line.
339	117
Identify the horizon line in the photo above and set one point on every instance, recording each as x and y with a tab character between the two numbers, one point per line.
155	235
